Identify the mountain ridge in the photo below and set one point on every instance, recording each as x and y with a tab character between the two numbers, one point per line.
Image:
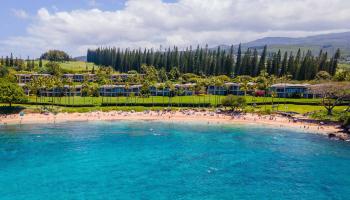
327	42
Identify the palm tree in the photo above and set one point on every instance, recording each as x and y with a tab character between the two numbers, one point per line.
270	81
126	88
254	88
93	91
41	85
59	86
273	95
45	85
145	90
153	85
263	84
170	86
85	89
34	87
50	84
244	83
197	90
70	86
218	84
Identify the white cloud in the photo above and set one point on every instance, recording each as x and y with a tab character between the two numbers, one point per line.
19	13
151	23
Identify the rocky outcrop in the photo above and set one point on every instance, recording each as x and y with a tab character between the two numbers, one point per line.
339	136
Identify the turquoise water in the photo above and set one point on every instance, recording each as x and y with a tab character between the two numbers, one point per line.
153	160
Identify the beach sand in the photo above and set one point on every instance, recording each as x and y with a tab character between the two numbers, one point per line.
276	121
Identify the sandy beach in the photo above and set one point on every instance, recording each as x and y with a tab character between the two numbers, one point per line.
276	121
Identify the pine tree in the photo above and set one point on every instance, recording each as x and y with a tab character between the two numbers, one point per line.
291	65
229	61
297	65
255	64
334	63
28	67
246	66
276	63
7	62
11	61
207	62
322	61
40	63
262	61
269	68
238	61
284	65
32	65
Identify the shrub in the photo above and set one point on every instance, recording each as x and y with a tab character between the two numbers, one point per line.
11	92
235	102
323	75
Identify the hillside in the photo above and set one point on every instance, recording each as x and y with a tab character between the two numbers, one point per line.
73	66
327	42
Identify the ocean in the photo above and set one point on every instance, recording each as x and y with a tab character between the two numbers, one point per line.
161	160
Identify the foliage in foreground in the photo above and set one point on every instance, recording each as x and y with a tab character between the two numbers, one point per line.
11	92
234	102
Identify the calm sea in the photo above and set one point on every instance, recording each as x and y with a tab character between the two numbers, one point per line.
156	160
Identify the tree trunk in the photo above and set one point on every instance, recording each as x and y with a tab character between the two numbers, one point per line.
329	111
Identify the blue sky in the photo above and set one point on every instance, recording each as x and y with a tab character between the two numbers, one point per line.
17	26
33	27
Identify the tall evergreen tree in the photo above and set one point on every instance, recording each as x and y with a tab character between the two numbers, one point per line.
284	65
255	64
40	63
28	64
7	61
262	61
238	61
334	63
291	65
207	62
297	65
11	60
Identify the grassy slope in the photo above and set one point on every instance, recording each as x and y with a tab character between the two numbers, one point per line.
345	66
74	66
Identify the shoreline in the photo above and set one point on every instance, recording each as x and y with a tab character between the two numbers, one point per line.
276	121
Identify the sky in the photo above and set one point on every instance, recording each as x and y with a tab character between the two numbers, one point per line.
30	28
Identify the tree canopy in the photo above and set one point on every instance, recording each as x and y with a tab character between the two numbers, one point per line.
55	55
53	68
234	102
11	92
332	94
212	62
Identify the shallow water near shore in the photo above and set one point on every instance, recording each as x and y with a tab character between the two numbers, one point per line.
162	160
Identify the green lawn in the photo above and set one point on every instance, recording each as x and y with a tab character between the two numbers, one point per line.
345	66
74	66
214	100
302	109
88	104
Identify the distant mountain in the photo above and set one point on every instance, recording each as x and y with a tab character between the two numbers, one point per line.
333	39
327	42
80	58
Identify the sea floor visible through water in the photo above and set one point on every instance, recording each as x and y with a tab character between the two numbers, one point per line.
165	160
